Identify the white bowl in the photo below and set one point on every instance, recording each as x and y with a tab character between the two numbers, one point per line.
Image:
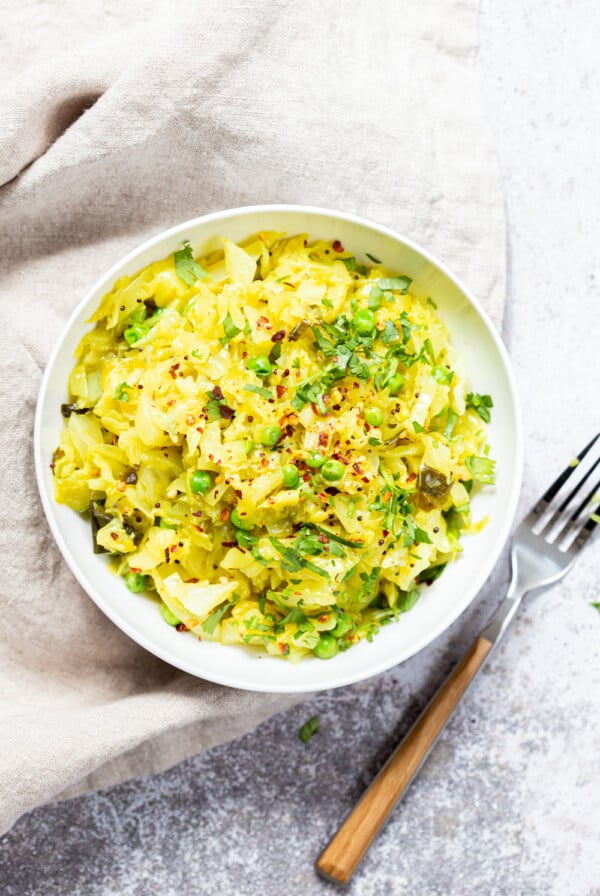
440	604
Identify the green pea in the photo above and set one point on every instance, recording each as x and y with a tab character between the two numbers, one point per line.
169	617
200	482
315	460
374	416
364	321
326	646
343	625
270	436
135	333
238	522
333	470
291	476
396	384
135	582
260	365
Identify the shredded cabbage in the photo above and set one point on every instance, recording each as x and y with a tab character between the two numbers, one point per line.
275	439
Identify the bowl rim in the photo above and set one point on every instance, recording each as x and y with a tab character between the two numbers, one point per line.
135	634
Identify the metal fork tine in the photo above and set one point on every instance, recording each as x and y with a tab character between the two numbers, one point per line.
559	511
558	483
585	532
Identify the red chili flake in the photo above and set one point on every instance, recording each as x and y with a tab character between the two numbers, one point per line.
191	581
190	419
288	431
291	285
180	627
306	477
278	336
199	528
264	462
217	393
283	649
229	544
114	536
356	385
121	486
166	555
336	407
323	439
385	533
386	496
286	372
135	569
337	246
173	370
323	539
305	243
411	478
226	412
262	321
225	514
281	390
357	468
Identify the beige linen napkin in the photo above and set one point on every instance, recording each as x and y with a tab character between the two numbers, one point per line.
114	124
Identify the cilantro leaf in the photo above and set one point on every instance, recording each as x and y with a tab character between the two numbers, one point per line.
395	283
373	258
186	268
259	390
230	329
122	392
309	729
390	333
482	468
481	404
428	350
596	604
417	426
407	600
211	622
352	265
442	375
375	298
428	576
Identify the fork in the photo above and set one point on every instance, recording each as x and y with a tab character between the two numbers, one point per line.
544	548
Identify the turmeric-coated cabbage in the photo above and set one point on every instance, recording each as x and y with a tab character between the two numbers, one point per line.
276	439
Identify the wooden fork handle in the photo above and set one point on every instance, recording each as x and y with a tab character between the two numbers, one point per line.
343	853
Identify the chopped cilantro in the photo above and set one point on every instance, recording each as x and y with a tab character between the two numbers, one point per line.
428	349
390	333
352	265
407	600
292	561
395	283
442	375
417	426
186	268
259	390
431	574
596	604
230	329
309	729
373	258
211	622
481	404
482	468
375	297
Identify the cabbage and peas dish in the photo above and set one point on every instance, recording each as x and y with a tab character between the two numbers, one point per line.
276	441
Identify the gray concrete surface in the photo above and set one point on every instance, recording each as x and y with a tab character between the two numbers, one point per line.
509	802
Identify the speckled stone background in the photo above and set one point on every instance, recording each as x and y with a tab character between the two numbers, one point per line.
509	802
